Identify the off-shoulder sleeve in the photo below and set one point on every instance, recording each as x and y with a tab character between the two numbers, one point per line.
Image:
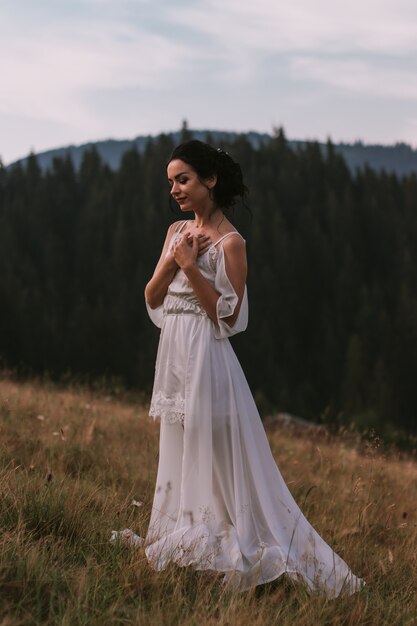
227	303
156	315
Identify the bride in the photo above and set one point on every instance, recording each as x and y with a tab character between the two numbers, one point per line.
220	501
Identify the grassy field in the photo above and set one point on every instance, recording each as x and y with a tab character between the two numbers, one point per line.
72	461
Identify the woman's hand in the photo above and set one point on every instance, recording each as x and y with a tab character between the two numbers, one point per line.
204	243
185	250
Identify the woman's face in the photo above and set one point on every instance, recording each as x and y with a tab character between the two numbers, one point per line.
187	189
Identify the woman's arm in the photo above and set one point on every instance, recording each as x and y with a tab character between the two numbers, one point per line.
164	272
167	267
236	269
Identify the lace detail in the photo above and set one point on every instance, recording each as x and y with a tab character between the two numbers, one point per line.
207	514
212	258
168	409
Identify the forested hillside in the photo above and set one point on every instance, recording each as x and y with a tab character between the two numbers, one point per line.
332	283
400	158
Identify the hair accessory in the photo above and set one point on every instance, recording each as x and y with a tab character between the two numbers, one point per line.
221	151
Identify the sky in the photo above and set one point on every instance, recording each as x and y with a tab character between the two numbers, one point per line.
73	71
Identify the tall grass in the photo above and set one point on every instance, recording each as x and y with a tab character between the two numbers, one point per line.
72	461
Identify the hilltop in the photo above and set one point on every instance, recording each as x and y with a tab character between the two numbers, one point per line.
399	158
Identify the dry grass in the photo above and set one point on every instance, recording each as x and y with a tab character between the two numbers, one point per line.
73	460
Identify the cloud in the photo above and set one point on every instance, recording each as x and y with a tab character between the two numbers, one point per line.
358	76
47	72
253	38
267	25
364	49
128	44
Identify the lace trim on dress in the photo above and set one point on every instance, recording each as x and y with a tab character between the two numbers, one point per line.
212	257
168	409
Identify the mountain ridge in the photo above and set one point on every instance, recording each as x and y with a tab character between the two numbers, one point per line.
399	158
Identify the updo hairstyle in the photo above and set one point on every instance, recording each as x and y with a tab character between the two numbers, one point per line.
206	161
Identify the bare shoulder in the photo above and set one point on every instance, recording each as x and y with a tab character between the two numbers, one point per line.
235	254
175	226
234	243
234	249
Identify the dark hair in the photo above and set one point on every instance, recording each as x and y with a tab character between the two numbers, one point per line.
206	161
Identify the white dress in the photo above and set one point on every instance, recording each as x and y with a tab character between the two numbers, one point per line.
220	501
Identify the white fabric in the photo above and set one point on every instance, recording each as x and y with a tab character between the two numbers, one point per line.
220	501
126	536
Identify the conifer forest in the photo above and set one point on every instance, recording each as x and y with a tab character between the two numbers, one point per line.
332	282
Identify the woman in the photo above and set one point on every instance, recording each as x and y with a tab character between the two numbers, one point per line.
220	501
